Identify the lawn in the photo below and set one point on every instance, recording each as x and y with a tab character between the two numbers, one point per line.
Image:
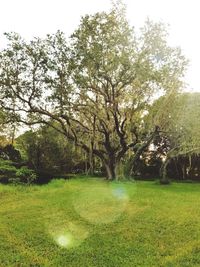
90	222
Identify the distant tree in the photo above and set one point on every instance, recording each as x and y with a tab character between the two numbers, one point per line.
96	87
184	167
9	152
180	125
48	152
148	165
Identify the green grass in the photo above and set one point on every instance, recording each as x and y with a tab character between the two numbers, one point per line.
89	222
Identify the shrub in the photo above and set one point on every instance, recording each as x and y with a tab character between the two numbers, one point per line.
10	174
7	171
14	180
26	175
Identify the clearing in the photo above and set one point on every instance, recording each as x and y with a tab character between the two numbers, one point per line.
90	222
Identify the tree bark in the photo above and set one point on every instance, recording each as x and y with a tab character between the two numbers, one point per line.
110	171
114	169
91	162
119	170
164	178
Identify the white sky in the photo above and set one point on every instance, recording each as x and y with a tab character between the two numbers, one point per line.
39	17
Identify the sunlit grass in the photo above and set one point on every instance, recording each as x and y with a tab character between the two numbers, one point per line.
89	222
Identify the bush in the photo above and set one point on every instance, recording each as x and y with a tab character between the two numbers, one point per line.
11	174
26	175
7	171
14	181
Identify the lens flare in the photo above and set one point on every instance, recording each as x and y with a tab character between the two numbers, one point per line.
68	234
64	240
120	193
101	204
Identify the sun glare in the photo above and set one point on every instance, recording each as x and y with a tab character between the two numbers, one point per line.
67	234
64	240
102	205
120	193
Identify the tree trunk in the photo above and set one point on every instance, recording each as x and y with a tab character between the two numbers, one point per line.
110	171
141	149
114	170
184	171
92	163
164	179
13	135
119	170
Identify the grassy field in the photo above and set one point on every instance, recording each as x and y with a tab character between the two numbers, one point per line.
88	222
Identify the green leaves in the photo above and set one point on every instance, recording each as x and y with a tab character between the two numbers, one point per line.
178	115
97	85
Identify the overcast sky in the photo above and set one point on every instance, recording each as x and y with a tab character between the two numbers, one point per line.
39	17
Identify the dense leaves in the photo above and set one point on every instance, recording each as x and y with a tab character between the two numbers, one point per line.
49	153
96	86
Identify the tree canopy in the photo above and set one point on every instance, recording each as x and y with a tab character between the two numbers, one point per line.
96	86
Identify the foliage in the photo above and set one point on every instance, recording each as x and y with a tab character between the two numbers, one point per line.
185	123
26	175
180	123
10	158
8	127
9	152
48	152
10	174
7	170
184	167
96	87
180	127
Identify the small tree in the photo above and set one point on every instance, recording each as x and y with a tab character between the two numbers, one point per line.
48	152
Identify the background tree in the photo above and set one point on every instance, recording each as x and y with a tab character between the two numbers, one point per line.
49	153
180	125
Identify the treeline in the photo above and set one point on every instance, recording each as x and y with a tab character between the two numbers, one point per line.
37	156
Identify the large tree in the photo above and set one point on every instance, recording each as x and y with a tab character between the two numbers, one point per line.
96	86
